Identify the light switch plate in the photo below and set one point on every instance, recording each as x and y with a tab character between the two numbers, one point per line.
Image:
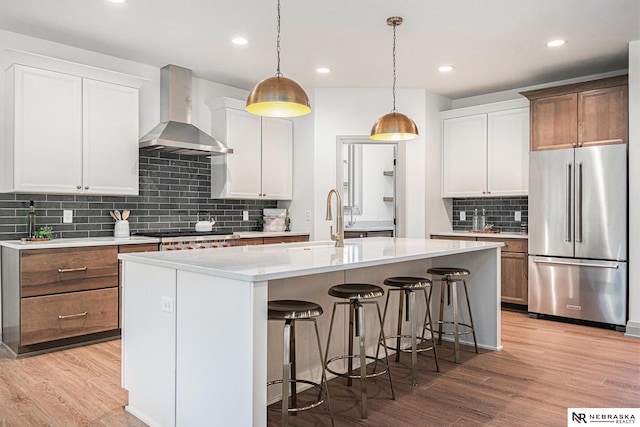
167	304
517	216
245	215
67	216
307	215
463	216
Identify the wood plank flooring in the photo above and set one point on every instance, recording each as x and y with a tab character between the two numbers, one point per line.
544	368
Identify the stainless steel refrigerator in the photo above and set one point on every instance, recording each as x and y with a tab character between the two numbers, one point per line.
578	233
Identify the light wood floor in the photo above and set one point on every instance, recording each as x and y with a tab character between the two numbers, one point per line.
544	368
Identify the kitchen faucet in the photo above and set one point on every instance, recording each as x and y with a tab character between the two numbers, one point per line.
339	236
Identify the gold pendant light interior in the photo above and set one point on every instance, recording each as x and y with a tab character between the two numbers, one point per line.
278	96
394	126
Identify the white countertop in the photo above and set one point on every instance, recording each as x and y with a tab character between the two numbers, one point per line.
79	242
266	262
258	234
477	234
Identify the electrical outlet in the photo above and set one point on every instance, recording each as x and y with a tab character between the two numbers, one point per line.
517	216
67	216
245	215
167	304
463	216
307	215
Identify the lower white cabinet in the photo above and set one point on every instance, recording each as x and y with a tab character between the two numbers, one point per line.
261	166
69	134
486	154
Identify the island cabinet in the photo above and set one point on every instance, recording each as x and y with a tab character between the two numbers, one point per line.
88	125
57	297
514	275
485	150
580	115
261	166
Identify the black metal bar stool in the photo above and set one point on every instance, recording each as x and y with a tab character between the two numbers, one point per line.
450	277
291	311
356	293
407	287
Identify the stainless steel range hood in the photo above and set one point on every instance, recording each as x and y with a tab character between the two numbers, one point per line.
175	133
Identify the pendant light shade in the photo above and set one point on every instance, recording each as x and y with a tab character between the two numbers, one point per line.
278	96
394	126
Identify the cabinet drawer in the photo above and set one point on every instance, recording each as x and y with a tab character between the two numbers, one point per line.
54	317
285	239
143	247
51	271
510	245
251	241
466	238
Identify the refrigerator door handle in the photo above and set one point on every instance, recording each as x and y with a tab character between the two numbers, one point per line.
568	203
577	264
579	205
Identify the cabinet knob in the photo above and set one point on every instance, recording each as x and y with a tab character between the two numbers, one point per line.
79	187
86	187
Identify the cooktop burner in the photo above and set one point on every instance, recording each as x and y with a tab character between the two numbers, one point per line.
183	233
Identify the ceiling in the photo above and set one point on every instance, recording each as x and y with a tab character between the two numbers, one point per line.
494	45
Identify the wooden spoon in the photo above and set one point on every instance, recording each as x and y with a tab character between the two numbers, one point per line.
113	215
117	214
125	214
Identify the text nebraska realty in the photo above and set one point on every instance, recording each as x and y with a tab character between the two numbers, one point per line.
611	418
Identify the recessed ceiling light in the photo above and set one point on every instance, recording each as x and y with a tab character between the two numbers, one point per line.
556	43
323	70
445	68
239	40
118	1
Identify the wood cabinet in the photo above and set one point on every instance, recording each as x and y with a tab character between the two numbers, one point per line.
579	115
56	297
273	240
514	277
362	234
485	154
69	134
261	166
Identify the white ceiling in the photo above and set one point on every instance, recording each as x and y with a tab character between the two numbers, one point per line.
494	44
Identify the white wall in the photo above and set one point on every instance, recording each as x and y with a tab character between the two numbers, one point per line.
353	112
633	325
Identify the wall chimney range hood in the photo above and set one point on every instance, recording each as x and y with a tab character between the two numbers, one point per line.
175	133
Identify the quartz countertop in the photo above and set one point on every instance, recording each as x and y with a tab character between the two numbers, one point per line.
480	234
78	242
258	234
266	262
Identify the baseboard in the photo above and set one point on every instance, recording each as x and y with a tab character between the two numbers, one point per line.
633	329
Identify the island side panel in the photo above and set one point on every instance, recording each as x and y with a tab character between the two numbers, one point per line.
484	292
148	342
221	351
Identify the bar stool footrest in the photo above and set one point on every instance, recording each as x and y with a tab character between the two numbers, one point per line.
468	328
357	357
419	340
321	397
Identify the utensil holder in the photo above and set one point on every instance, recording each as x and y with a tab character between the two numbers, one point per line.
121	229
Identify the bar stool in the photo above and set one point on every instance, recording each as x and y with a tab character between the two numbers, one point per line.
356	293
407	286
291	311
450	277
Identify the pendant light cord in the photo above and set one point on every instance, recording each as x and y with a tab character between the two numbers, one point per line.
278	73
394	67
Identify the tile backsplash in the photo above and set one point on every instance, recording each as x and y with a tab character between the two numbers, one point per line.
499	212
173	189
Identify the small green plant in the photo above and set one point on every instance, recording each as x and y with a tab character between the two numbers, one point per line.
44	232
260	223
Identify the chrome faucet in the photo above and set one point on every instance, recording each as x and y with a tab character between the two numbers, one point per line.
339	236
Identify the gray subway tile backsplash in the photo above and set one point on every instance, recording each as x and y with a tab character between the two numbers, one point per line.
173	189
499	212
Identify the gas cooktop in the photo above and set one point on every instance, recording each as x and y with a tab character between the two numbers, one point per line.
183	233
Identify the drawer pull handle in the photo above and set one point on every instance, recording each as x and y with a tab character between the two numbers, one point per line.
72	316
69	270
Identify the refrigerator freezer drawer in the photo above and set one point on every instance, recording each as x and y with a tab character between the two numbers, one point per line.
579	289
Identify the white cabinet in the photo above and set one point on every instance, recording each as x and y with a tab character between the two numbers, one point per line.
261	166
67	134
486	154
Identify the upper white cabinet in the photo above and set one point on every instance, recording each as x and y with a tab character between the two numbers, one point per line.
68	134
261	166
485	150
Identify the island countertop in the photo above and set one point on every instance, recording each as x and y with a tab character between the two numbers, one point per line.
267	262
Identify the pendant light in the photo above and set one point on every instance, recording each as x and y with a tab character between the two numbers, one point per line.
278	96
394	126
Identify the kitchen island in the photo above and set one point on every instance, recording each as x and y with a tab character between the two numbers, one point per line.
197	349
